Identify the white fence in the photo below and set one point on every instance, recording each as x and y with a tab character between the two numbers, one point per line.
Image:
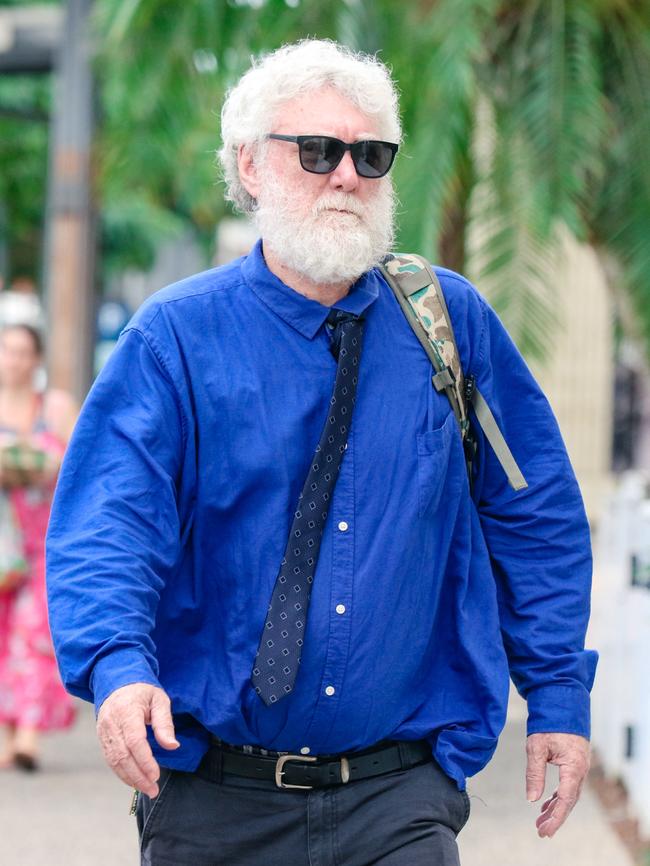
620	631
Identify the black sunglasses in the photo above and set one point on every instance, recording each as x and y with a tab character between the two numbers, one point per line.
320	154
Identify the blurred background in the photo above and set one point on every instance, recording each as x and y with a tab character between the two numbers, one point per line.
525	166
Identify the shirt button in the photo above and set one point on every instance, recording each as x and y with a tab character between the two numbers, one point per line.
340	608
305	750
330	690
343	526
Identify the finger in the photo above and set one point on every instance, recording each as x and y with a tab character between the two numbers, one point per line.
128	771
572	775
134	735
162	722
123	739
550	821
571	778
548	802
537	755
119	759
550	825
547	809
545	823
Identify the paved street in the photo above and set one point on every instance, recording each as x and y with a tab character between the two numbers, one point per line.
75	813
501	830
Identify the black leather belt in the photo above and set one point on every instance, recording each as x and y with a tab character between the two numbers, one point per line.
306	772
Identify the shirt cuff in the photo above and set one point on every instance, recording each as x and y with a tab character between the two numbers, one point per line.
559	710
119	668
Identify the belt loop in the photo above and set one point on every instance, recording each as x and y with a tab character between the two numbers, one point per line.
404	754
215	766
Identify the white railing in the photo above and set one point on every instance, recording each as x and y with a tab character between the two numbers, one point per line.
620	631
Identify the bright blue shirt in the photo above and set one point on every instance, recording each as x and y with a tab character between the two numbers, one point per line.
177	492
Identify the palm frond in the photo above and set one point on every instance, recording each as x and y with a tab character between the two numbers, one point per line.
511	254
621	219
550	124
566	82
440	91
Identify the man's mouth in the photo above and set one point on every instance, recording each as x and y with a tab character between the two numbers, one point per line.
343	211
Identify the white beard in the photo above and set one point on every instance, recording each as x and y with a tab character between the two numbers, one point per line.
324	245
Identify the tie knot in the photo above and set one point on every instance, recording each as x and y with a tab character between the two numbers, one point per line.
340	317
337	319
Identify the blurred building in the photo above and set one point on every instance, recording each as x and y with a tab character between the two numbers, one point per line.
578	376
235	237
20	305
175	259
126	291
631	445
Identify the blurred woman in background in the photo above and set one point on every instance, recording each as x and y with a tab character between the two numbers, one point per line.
34	429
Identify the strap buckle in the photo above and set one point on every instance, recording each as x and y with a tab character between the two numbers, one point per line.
279	771
282	760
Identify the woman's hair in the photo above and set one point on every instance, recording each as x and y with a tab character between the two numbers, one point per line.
251	106
35	335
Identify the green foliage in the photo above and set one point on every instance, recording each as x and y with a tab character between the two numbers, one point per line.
549	126
620	221
24	110
163	70
438	80
523	119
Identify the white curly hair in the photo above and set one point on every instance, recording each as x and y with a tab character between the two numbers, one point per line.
251	106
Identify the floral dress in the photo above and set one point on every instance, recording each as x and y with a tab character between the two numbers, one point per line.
31	693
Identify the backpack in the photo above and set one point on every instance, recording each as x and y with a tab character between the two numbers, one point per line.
419	294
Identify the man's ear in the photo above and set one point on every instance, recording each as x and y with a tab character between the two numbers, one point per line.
248	170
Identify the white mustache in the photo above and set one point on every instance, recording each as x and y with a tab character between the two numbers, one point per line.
340	203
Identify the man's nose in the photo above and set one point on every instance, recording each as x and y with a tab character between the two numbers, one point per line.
345	177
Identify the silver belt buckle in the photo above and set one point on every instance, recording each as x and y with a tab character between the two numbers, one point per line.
282	760
279	772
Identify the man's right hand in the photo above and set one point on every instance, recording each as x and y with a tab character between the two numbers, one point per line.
121	726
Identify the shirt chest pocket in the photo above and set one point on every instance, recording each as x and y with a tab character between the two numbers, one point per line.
434	453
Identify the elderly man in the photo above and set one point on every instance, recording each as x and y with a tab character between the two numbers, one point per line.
265	546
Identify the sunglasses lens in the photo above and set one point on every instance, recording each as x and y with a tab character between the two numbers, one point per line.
320	154
372	158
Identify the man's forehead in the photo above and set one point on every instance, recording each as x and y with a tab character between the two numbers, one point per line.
324	111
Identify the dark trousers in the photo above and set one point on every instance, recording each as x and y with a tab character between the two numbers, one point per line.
404	818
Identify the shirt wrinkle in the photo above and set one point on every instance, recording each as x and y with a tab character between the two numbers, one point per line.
157	355
417	599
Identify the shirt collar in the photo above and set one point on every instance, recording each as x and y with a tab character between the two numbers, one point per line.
302	313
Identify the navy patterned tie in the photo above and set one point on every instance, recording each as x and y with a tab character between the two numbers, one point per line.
278	655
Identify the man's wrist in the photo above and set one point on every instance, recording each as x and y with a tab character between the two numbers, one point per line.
559	709
118	669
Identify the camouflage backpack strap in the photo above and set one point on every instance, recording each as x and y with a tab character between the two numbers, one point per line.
419	294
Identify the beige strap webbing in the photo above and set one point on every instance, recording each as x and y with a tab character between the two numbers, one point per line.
499	445
408	275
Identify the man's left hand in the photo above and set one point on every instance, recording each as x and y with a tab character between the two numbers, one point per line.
571	754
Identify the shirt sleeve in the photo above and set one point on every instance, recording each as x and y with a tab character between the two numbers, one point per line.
113	536
538	540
